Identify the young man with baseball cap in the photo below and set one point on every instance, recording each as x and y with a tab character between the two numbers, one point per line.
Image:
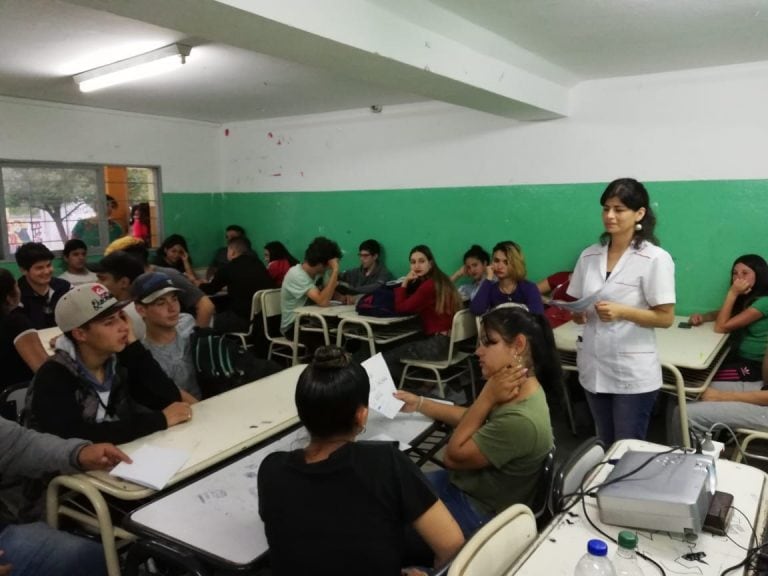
102	384
168	330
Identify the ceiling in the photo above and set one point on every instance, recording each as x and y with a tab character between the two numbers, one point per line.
255	59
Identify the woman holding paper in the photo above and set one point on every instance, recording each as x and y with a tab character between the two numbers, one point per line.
634	281
495	454
339	505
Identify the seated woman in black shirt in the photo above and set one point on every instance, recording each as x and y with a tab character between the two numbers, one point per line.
340	506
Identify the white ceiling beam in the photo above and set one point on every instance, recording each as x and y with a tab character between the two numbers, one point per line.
361	40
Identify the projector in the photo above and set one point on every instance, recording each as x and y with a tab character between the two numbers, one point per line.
672	493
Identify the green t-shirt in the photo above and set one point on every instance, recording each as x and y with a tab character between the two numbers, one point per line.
87	230
755	336
515	439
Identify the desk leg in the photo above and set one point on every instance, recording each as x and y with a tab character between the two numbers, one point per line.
681	406
105	527
295	349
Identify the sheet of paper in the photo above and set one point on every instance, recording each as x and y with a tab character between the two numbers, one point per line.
386	438
580	305
382	387
152	466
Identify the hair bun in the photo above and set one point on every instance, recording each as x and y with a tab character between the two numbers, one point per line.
330	357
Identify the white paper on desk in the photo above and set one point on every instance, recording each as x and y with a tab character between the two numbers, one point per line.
580	305
386	438
381	397
153	466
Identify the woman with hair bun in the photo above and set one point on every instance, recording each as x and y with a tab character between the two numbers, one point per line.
475	262
495	454
634	281
340	506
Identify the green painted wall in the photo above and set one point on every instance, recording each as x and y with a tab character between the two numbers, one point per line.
703	224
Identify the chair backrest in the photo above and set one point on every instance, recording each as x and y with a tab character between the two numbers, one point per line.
570	475
497	545
540	505
256	304
13	400
463	328
270	307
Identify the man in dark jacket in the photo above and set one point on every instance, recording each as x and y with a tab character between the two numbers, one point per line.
34	549
242	277
40	291
102	384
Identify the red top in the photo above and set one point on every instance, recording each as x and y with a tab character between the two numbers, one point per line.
422	302
277	270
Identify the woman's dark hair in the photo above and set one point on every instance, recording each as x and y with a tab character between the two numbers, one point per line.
758	265
634	196
7	283
170	242
278	251
508	322
478	253
329	392
447	299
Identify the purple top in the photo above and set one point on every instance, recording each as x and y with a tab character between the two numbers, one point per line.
489	295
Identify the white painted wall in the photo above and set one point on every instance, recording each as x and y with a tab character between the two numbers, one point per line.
692	125
186	151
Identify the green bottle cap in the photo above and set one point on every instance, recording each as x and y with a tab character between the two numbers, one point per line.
627	539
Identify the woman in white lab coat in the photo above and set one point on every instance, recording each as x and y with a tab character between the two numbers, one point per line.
634	281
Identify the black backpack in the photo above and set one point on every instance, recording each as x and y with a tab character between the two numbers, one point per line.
222	363
380	302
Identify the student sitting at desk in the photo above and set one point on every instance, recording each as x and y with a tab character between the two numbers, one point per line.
40	291
36	549
476	261
745	314
340	506
495	454
278	260
102	384
370	275
75	269
428	292
736	404
299	283
21	352
174	253
508	267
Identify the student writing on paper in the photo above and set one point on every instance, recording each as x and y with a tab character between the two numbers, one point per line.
744	313
102	384
495	454
340	506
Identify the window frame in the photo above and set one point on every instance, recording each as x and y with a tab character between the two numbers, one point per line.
100	202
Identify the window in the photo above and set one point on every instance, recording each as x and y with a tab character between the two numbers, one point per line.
52	203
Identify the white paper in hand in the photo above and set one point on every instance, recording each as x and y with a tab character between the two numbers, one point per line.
152	466
382	387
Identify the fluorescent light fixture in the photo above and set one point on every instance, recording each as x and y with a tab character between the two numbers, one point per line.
141	66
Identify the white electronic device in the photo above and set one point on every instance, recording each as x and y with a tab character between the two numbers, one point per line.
671	493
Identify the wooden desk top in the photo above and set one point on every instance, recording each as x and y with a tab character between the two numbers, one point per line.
220	427
331	311
693	348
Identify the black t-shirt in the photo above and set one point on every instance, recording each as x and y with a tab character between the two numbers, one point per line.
13	325
344	515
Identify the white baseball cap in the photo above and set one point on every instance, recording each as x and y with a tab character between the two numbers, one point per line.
84	303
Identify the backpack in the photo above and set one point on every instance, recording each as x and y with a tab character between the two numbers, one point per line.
222	363
380	302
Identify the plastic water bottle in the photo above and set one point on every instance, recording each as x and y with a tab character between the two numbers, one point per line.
595	562
625	560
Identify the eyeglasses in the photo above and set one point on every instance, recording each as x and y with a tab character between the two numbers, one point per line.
364	254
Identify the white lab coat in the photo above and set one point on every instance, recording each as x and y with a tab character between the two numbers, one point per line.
620	357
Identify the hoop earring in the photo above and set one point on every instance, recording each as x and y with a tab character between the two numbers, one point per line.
638	226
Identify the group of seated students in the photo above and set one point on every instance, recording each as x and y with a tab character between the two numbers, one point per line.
123	369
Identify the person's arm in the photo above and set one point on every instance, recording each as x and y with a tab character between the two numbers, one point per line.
759	397
447	413
188	270
661	316
532	297
462	452
323	297
699	319
30	349
724	322
148	383
204	311
422	299
459	273
441	533
543	286
481	303
218	282
56	410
